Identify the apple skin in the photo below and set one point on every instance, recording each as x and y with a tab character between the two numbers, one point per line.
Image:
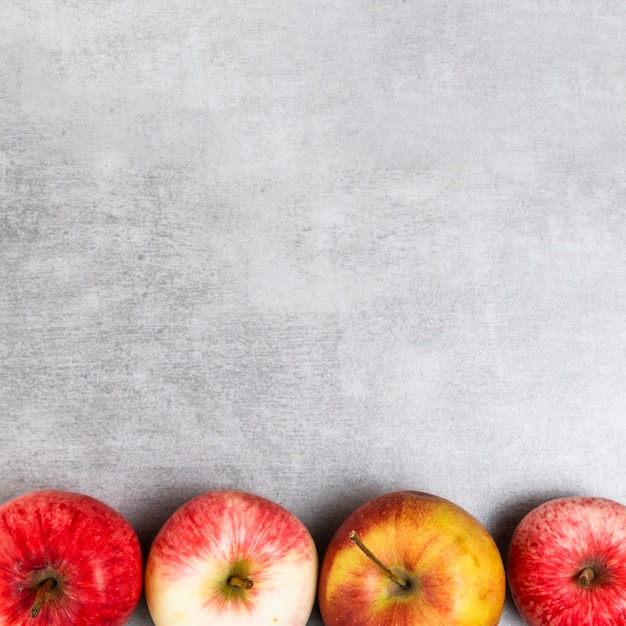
550	548
223	533
87	547
452	564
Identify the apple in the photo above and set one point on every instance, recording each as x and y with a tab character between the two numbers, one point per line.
231	558
567	563
66	558
411	559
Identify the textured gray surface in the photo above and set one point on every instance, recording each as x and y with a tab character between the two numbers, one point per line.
315	250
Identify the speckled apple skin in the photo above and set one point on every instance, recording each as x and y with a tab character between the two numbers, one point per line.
549	549
90	544
455	567
192	554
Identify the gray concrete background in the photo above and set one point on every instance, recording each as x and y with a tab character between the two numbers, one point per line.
315	250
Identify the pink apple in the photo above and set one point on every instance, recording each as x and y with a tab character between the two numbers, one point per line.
567	563
411	559
233	559
66	559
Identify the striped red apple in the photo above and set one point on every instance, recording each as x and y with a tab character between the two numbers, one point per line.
567	563
234	559
66	558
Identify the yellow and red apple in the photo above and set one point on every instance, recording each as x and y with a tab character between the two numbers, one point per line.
231	558
411	559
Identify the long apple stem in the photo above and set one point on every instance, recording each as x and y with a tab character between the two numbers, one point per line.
237	581
354	538
586	576
40	598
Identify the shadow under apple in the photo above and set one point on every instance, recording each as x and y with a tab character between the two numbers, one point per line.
507	516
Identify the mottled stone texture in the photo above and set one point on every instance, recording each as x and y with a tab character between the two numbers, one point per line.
317	250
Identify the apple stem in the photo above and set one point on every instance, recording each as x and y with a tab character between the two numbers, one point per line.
237	581
354	538
586	576
40	598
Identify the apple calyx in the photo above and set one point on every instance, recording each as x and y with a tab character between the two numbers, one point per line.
239	582
355	539
44	591
586	577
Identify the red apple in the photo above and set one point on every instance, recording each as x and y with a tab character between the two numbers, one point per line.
567	563
66	558
231	558
411	559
